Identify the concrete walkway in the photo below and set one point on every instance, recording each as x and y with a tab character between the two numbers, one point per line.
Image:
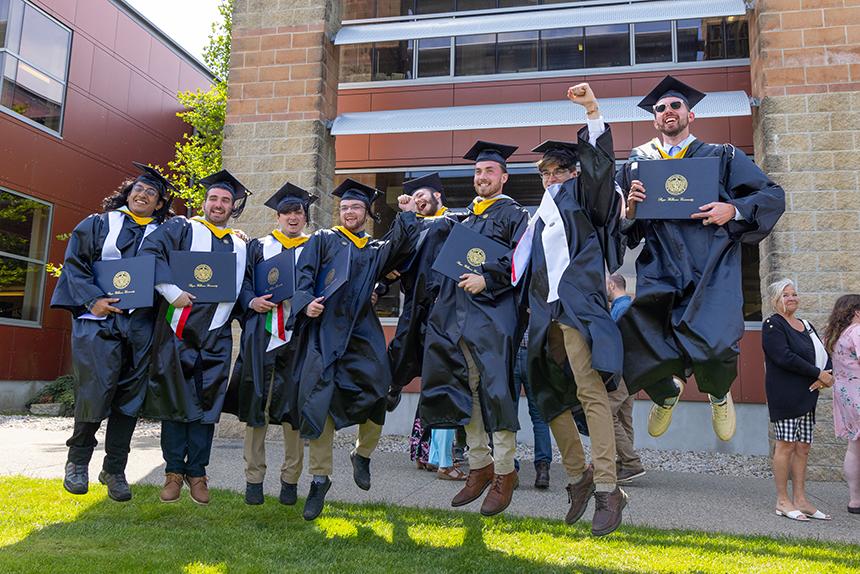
659	499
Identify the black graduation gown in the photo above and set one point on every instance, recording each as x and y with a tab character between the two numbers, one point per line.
188	377
586	205
344	372
255	368
420	286
490	323
110	357
687	315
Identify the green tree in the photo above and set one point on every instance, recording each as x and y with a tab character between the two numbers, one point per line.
198	153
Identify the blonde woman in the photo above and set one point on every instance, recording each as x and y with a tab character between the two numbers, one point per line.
797	366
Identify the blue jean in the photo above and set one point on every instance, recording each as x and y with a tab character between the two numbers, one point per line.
186	447
441	442
543	443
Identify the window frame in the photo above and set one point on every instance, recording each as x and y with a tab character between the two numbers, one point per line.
4	52
32	323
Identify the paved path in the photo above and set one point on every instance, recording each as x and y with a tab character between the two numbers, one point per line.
659	499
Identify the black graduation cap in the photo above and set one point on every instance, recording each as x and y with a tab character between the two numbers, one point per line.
290	194
151	176
561	148
225	180
351	189
670	86
489	151
431	180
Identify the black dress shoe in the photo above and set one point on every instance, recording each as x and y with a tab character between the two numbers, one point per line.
542	474
288	494
117	486
253	493
77	480
360	470
316	499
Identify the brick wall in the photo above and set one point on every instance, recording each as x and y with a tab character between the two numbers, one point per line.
805	65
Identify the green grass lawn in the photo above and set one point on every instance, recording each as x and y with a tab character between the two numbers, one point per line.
44	529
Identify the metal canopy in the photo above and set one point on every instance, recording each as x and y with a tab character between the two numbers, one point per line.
528	114
466	25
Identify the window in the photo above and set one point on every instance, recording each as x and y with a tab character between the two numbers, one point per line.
392	60
607	46
737	37
34	57
475	55
24	227
653	42
434	57
433	6
562	49
517	52
713	39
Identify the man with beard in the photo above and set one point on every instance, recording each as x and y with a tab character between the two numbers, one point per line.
687	317
263	387
344	377
110	347
192	347
472	335
575	350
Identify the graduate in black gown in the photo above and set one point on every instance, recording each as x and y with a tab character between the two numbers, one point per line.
687	317
472	336
193	342
263	387
575	352
110	347
344	374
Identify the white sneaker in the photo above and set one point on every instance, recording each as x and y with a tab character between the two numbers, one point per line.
660	417
723	418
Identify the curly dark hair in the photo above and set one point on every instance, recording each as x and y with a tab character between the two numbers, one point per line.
841	316
119	198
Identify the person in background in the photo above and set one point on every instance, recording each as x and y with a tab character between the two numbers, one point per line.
542	440
842	338
796	366
629	465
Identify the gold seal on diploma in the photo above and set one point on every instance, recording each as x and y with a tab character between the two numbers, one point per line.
676	184
273	276
203	273
476	257
121	280
329	277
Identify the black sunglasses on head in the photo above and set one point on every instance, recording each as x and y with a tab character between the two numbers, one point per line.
676	105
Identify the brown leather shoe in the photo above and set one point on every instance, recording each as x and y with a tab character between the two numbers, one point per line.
607	511
500	493
476	484
578	494
172	487
199	489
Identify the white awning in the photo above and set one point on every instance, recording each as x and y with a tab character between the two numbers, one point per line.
528	114
538	20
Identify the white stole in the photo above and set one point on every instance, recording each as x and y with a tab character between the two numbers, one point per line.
201	240
272	247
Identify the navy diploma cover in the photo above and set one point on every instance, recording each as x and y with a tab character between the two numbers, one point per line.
276	276
465	251
676	188
131	280
210	277
332	275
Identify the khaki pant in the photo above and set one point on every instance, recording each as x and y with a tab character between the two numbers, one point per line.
621	404
368	437
294	451
504	442
591	392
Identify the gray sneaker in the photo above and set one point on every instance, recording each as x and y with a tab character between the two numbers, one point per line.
626	475
117	486
77	480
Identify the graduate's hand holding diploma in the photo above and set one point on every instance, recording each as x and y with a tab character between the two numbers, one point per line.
262	304
315	307
717	213
183	300
636	195
472	283
103	306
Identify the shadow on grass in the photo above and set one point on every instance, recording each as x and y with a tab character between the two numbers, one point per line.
51	531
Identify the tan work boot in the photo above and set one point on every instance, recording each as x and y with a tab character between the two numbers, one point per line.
578	494
172	487
476	484
660	417
199	489
500	493
723	418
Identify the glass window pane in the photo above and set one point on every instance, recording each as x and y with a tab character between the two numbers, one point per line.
434	57
23	226
387	8
518	52
11	14
513	3
475	4
691	43
44	43
4	20
562	49
653	42
607	46
475	55
32	94
20	289
433	6
737	37
392	60
355	62
714	38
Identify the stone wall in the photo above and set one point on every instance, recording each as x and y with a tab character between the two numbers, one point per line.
805	65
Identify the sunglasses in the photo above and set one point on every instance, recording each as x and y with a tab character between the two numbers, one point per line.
660	108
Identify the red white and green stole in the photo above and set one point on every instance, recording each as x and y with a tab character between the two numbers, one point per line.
276	319
177	318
